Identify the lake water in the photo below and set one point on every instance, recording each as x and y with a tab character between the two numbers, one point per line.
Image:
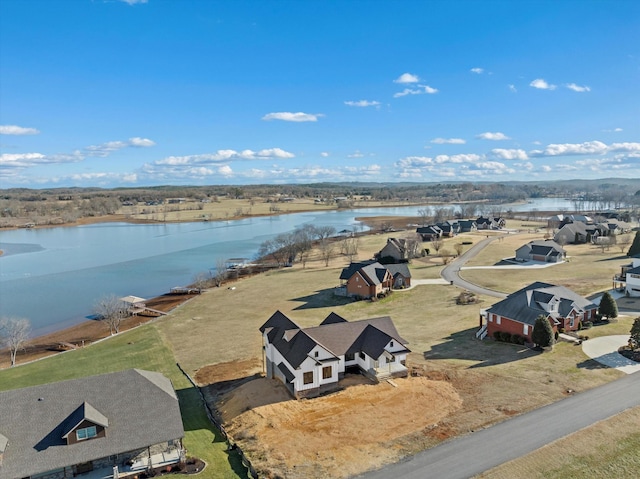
54	276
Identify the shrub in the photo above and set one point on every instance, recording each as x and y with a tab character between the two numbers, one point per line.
587	325
516	338
497	335
506	337
561	330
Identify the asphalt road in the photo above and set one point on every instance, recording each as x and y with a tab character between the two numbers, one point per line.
482	450
451	272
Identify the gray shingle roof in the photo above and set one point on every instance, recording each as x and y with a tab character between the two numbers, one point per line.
84	412
526	304
399	268
339	338
141	408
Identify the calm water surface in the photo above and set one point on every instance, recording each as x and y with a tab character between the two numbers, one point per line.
53	276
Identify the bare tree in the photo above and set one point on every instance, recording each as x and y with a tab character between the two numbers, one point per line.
326	251
201	280
324	232
221	272
458	247
14	333
424	215
112	311
413	245
623	242
437	244
350	247
445	255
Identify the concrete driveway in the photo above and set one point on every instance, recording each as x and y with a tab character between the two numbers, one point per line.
605	351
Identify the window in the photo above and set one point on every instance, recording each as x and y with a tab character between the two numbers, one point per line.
349	357
498	318
307	378
391	344
326	372
86	433
315	354
362	356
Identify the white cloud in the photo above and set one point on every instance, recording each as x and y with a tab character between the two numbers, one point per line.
407	78
617	129
362	103
510	154
17	130
477	70
109	147
578	88
356	154
495	136
324	154
224	156
541	84
421	90
448	141
134	2
141	142
561	149
22	160
225	170
462	158
289	116
512	88
625	147
546	168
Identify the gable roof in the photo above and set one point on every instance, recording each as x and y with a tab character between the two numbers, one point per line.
399	268
375	273
332	319
337	336
85	412
353	268
543	248
526	304
141	406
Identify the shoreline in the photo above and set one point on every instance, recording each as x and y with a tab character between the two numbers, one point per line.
87	332
90	331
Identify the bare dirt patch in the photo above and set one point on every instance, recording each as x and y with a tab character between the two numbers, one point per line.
337	435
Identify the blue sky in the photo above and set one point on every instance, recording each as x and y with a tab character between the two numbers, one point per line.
134	93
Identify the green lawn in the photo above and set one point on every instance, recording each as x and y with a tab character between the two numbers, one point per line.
141	348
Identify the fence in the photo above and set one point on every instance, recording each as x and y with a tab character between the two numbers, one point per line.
213	416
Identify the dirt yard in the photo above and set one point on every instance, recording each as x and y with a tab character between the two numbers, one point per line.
337	435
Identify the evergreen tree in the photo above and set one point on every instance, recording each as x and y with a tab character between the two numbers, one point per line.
634	340
608	307
542	334
634	249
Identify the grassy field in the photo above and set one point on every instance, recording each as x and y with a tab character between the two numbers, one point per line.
226	208
588	269
494	380
141	348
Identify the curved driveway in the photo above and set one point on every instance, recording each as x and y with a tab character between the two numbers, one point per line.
482	450
451	272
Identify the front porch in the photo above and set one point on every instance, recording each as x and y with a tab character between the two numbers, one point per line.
165	459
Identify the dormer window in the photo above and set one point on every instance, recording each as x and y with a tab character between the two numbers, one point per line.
86	433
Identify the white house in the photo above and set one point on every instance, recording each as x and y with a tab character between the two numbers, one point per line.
311	361
629	278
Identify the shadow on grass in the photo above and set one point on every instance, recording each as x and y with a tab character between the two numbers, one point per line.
463	345
321	299
613	258
591	364
195	420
